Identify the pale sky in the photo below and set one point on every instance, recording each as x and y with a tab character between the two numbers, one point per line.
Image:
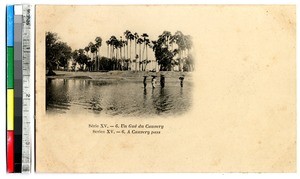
79	25
216	30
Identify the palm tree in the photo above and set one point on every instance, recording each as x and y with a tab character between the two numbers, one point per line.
113	45
163	55
140	41
124	42
87	49
136	37
125	45
127	34
107	43
116	44
145	36
189	43
94	51
90	47
180	41
147	42
120	45
130	37
111	49
98	45
188	58
172	41
166	35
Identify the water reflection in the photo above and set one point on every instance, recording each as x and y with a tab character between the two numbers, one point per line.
160	101
112	98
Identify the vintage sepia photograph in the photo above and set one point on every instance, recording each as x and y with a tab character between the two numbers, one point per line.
165	88
128	73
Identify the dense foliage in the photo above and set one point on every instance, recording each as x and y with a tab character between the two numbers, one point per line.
57	53
172	52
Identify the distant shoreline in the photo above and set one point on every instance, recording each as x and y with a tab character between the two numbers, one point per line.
119	75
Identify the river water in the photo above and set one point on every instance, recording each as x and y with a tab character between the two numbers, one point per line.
123	98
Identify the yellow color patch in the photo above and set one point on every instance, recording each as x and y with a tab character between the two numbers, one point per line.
10	109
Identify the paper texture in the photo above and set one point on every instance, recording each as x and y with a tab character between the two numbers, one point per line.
241	115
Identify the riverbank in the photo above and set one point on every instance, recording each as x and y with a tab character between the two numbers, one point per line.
119	75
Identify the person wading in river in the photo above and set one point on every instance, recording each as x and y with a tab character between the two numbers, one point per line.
153	81
145	81
162	81
181	78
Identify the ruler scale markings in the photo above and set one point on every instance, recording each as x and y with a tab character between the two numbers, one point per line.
26	141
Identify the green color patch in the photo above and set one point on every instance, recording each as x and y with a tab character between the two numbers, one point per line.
10	67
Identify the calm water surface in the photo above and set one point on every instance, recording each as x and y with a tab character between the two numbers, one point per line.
123	98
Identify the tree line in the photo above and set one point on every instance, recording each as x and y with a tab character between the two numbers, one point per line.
128	52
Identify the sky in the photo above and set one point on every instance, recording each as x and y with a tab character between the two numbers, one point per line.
217	32
79	25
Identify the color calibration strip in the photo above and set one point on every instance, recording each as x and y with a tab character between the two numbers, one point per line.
10	87
18	88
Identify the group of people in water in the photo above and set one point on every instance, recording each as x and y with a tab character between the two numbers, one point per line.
162	81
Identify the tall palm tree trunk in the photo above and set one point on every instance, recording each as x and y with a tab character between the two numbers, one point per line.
146	57
121	58
140	57
127	50
143	69
110	51
107	51
99	61
124	51
130	55
180	61
96	62
135	55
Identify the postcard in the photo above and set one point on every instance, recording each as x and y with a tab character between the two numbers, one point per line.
165	88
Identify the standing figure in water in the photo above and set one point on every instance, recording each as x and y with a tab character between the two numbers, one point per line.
153	81
162	81
181	78
145	81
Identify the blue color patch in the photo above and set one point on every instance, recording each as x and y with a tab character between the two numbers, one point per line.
10	25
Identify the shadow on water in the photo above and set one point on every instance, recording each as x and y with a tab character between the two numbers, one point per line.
162	102
55	95
80	96
145	98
